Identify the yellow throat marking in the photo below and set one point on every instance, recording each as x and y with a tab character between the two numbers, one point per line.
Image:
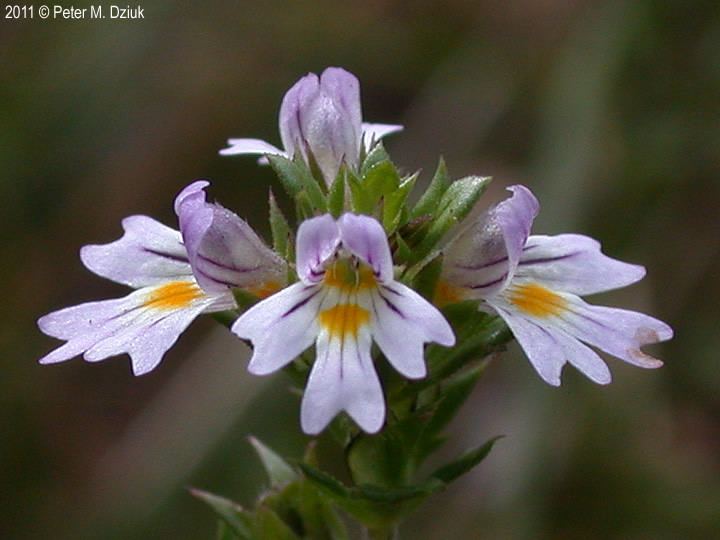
173	295
265	289
344	319
536	300
445	293
343	275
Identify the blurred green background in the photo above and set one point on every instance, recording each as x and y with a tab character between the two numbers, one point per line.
609	111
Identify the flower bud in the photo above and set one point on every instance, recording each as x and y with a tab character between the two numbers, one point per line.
321	116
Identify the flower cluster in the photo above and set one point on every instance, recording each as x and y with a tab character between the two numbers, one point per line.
359	251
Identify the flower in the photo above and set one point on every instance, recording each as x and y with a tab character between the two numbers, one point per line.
178	275
320	116
346	298
534	283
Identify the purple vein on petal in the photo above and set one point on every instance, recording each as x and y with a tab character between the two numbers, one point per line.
172	257
551	259
300	304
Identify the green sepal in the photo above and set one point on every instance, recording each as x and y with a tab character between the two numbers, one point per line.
287	172
402	252
336	195
226	318
448	399
411	273
303	207
282	236
311	185
374	506
244	298
427	277
320	520
224	532
297	179
454	205
455	469
429	200
375	184
394	211
478	335
304	511
269	525
453	394
237	519
278	470
377	154
379	459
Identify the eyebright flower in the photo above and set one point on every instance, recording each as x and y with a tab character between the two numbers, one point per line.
534	283
178	275
346	298
320	116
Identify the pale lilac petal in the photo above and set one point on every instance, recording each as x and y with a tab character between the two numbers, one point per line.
280	327
546	355
148	347
372	133
223	249
135	325
574	263
583	358
618	332
365	238
327	134
343	378
250	147
291	111
75	321
148	253
344	88
484	257
402	322
147	343
317	241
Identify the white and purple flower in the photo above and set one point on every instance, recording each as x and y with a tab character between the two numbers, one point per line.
534	283
320	116
178	275
347	297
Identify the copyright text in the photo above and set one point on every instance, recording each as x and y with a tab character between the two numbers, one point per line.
59	12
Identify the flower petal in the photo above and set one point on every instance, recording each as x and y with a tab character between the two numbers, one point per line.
544	352
403	321
344	89
549	348
619	332
343	378
372	133
582	357
565	317
280	327
250	147
144	324
291	108
147	254
317	241
148	341
483	257
223	249
574	263
365	238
